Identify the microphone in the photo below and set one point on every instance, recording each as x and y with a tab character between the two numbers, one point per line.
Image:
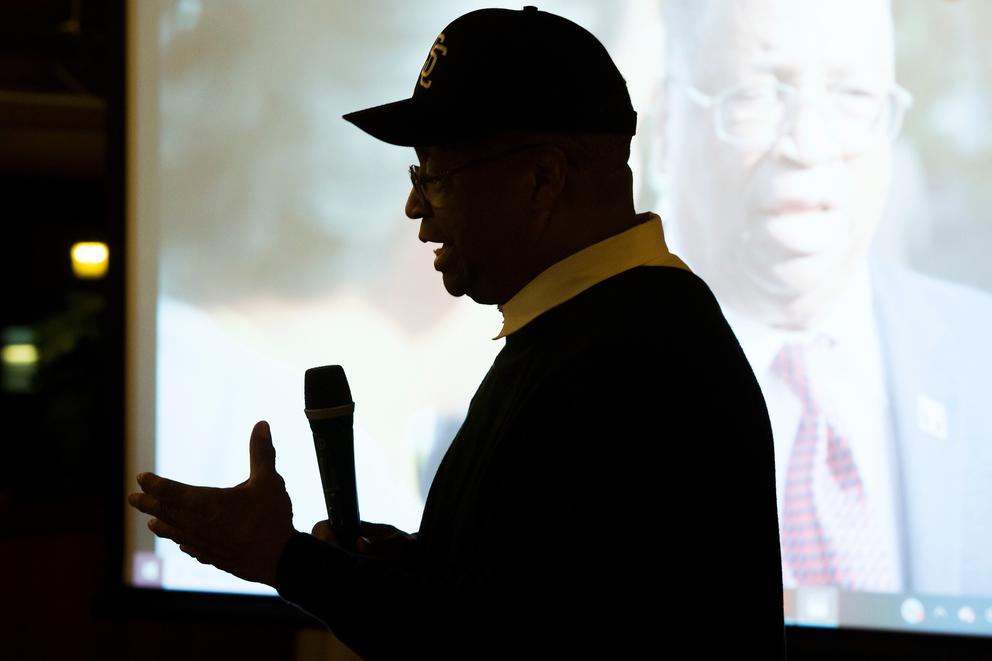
330	410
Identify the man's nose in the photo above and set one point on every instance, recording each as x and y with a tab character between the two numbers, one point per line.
811	139
415	207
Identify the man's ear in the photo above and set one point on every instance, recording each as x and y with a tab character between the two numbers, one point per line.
549	174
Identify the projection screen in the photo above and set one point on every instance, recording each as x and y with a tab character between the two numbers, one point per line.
824	166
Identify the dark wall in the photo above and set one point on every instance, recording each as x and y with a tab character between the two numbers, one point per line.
61	454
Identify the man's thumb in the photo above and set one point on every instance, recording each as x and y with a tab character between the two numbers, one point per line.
261	450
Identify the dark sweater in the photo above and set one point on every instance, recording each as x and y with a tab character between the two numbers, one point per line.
611	491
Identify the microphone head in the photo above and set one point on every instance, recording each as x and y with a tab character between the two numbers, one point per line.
325	387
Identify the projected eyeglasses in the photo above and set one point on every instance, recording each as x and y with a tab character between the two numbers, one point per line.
756	114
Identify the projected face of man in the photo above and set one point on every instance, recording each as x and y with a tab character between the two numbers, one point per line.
778	226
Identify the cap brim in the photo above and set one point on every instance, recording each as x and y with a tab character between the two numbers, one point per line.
406	123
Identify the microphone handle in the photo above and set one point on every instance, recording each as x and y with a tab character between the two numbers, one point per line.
333	440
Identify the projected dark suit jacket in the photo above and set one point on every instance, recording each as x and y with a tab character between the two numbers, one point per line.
937	345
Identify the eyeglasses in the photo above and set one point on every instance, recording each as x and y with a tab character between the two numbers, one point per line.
421	181
758	114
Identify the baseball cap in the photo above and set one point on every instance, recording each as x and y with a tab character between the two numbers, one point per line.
497	70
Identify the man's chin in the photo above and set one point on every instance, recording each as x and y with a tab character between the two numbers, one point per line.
797	276
457	284
793	292
454	283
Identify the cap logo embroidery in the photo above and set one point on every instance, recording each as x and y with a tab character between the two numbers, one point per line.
437	50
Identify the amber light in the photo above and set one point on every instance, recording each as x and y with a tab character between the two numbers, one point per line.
90	259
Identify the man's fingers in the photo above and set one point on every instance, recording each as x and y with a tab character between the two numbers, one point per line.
385	545
261	450
201	556
322	531
168	512
377	530
166	489
168	531
144	503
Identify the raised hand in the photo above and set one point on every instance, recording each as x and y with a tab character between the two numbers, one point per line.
241	530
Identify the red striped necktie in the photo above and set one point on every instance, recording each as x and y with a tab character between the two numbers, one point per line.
828	534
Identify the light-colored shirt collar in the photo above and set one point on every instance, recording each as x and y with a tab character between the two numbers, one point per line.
641	245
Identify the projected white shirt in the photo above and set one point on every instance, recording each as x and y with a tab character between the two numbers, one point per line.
847	377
